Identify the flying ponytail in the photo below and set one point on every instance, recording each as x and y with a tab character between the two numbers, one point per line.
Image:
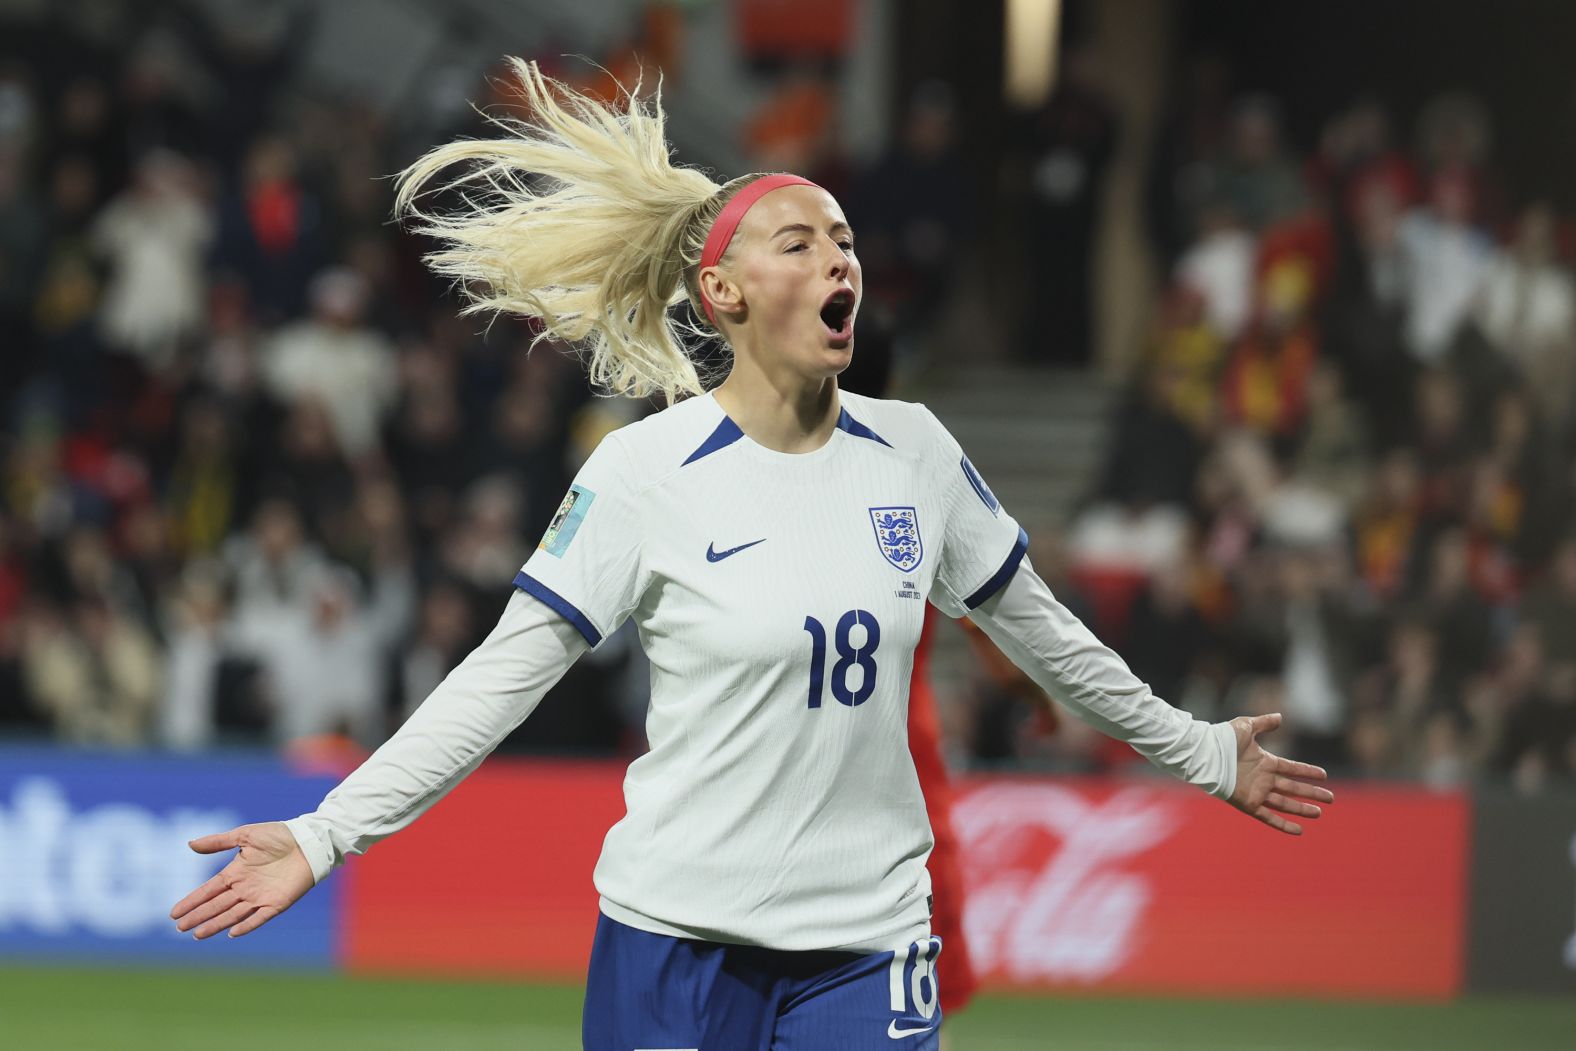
577	218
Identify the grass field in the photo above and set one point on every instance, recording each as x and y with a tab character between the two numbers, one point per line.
50	1009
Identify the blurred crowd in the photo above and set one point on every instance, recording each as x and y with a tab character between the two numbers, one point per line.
259	483
1342	485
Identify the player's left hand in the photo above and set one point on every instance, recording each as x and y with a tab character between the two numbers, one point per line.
1269	786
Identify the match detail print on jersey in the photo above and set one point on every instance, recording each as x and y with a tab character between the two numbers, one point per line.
567	520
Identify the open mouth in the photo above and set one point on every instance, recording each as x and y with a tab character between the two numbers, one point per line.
837	314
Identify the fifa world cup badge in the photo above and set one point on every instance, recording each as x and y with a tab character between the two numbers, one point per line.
567	520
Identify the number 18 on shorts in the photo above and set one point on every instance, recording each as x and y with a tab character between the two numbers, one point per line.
651	992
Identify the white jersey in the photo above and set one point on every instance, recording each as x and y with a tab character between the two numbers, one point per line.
779	598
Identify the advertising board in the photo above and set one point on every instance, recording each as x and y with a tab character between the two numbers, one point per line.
1523	912
1122	886
93	854
1158	888
494	880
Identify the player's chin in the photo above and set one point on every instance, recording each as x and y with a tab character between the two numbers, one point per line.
836	358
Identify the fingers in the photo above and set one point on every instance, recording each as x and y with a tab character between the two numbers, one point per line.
1275	821
1276	801
1305	791
231	916
1263	724
208	910
217	842
254	921
217	884
1296	769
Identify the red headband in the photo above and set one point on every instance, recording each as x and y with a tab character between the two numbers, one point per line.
732	213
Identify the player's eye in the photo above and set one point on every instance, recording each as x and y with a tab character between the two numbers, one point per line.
846	244
797	246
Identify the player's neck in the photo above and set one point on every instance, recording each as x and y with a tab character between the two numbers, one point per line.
782	413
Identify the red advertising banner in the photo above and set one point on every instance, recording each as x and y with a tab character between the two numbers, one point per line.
494	880
1083	884
1158	888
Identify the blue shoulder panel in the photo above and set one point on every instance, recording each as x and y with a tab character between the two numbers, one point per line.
726	434
852	426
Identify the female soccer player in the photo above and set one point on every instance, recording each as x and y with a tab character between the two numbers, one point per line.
775	540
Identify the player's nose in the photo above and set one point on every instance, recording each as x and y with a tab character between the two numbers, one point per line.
838	264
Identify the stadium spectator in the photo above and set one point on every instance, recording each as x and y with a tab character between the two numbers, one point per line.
1220	268
334	360
1334	454
1386	523
1537	713
271	230
1527	309
204	488
1265	384
271	566
153	237
1258	180
24	238
1068	144
84	131
913	211
1190	352
94	672
1442	440
1320	645
1157	446
1406	689
1446	260
1550	606
322	662
1358	158
1366	313
445	632
1455	137
1167	632
189	716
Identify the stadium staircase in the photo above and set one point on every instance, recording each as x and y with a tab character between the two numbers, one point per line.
1038	436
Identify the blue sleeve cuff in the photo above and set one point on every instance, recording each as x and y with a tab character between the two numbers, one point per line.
558	604
999	579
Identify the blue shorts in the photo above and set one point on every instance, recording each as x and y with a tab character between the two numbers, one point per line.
650	992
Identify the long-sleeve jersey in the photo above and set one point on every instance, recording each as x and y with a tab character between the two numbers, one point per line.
779	598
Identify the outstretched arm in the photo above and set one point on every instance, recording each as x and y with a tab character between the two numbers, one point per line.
488	695
1063	656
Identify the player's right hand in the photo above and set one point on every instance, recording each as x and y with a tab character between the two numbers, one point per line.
267	877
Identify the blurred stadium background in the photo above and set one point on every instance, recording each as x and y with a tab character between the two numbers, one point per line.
1260	317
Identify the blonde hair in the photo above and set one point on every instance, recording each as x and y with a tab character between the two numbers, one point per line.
578	218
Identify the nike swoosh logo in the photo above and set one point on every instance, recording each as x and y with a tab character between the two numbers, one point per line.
713	555
897	1034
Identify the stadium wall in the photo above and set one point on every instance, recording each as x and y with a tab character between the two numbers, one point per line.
1075	884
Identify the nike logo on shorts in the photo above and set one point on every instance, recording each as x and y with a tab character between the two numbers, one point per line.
713	555
897	1034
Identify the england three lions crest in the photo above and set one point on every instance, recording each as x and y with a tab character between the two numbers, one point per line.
897	531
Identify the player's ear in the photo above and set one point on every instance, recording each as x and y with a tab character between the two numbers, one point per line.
724	296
